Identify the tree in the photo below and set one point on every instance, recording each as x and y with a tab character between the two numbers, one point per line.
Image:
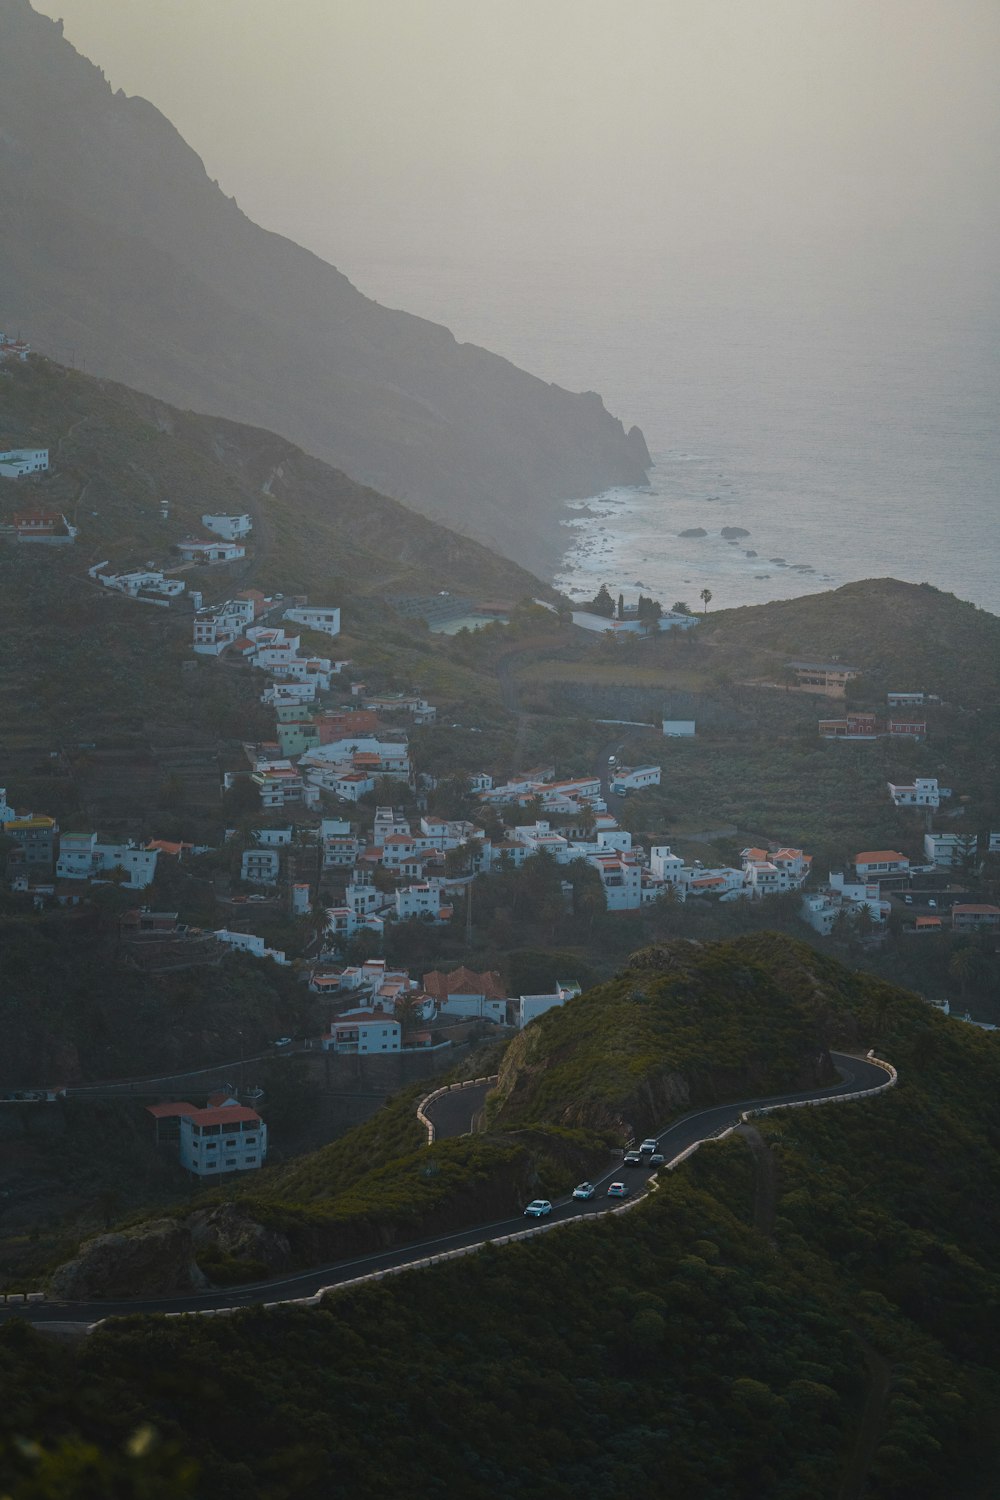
680	608
706	598
966	965
602	603
621	606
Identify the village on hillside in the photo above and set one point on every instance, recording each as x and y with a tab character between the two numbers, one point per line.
336	836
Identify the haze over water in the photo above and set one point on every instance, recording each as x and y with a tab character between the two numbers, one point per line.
852	429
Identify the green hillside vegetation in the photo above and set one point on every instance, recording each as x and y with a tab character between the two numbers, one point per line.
683	1025
805	1310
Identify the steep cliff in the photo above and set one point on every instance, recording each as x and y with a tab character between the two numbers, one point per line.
119	249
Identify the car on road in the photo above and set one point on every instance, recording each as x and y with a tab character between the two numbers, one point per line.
538	1208
283	1041
908	900
932	903
633	1159
649	1144
583	1190
612	760
657	1159
618	1190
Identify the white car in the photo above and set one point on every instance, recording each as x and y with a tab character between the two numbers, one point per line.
618	1190
649	1144
584	1190
538	1208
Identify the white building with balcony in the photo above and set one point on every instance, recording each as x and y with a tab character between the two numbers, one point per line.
366	1033
230	1138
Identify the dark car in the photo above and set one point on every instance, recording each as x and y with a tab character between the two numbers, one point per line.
633	1159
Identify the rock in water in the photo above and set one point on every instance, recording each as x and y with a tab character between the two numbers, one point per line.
694	531
731	533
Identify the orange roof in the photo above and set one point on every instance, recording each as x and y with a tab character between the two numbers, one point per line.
977	911
464	981
166	1111
878	856
928	922
223	1116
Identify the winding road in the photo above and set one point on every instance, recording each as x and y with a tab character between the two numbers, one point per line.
858	1076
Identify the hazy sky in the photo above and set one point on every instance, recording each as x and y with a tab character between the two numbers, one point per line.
840	128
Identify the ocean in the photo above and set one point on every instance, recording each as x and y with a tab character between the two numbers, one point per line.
846	425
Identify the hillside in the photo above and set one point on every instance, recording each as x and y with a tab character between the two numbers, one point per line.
807	1308
905	637
83	663
118	247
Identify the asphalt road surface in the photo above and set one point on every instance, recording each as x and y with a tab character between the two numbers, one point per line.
453	1114
699	1125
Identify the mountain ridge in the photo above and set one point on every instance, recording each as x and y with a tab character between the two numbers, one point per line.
121	249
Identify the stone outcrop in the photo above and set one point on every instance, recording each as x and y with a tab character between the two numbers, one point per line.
228	1230
156	1258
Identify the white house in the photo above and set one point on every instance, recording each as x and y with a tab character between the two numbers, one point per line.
666	865
821	908
627	780
231	528
15	462
323	618
922	792
366	1033
951	850
530	1007
875	862
904	700
202	550
230	1138
768	874
422	900
249	942
301	899
220	625
274	838
82	857
260	866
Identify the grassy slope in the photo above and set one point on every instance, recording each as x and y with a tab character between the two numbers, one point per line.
677	1340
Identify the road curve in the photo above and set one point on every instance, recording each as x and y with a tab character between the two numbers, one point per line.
857	1076
453	1113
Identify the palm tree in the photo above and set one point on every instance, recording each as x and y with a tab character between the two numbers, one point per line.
706	598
